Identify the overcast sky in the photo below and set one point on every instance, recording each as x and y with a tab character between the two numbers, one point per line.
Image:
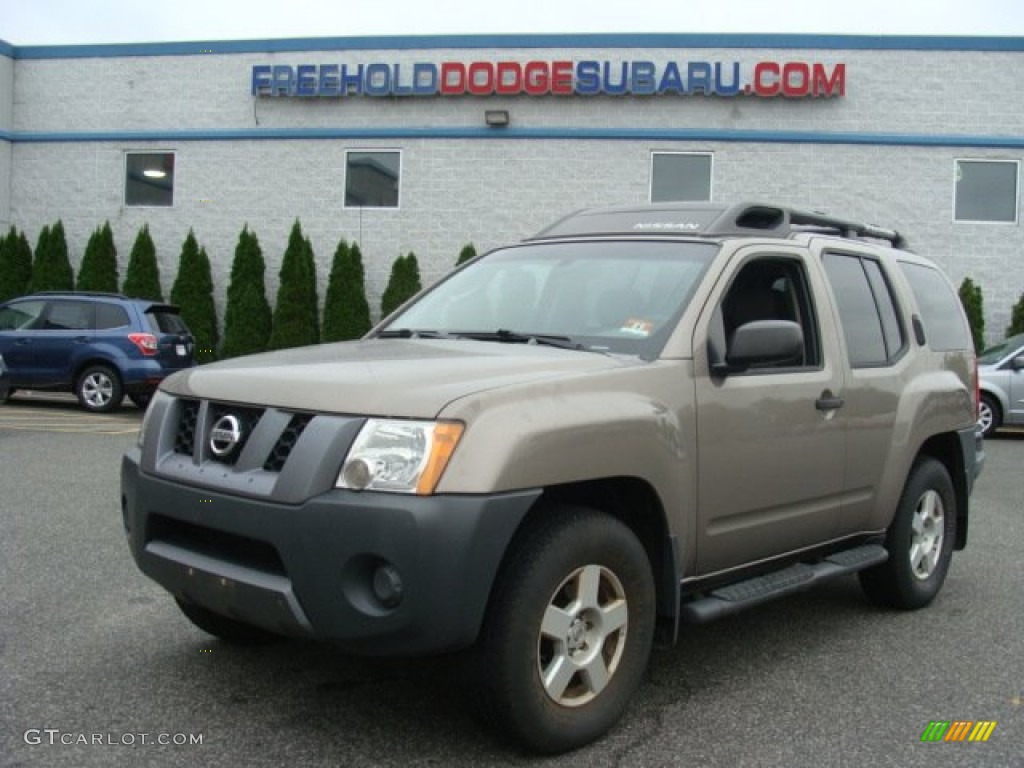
64	22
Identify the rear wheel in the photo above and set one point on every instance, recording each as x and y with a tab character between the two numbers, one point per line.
5	395
227	629
990	415
920	541
569	630
99	389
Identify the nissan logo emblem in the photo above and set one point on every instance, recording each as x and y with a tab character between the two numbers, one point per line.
225	435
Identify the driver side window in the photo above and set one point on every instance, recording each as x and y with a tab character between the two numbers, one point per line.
771	288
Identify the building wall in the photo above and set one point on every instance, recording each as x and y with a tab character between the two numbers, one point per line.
884	152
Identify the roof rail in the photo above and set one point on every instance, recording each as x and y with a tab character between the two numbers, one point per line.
712	220
105	294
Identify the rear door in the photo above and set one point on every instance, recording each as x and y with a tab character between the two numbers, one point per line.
771	440
66	330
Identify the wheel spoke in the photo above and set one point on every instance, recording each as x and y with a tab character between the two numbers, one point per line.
558	675
595	672
556	623
614	616
588	585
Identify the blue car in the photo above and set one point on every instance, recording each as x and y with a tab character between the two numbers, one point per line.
99	346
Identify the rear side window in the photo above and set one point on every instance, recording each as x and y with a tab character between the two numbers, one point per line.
941	314
867	308
165	321
69	316
111	316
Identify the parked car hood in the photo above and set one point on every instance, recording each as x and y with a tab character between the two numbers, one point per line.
383	377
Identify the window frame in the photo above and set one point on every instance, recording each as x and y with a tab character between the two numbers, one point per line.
369	151
174	177
991	161
693	153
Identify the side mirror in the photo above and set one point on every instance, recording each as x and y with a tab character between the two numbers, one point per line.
1017	363
762	342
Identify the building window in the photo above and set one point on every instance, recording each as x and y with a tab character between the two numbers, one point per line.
372	179
149	179
680	176
986	190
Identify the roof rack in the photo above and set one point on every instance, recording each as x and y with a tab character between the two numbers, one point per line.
712	220
105	294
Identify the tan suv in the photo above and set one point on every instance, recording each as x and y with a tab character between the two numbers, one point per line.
638	418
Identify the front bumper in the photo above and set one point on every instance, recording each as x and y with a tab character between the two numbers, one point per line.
308	569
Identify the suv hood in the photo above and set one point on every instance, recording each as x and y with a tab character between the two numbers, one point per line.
414	378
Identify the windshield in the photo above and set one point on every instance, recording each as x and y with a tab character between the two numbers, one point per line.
993	355
619	296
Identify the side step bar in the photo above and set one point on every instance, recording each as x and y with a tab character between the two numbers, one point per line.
745	594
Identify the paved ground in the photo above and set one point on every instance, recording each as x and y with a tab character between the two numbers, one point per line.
91	650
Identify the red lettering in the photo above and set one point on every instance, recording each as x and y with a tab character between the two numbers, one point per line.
509	78
829	86
561	78
481	86
766	78
536	77
453	78
796	79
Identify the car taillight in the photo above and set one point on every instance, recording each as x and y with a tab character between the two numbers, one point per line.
146	342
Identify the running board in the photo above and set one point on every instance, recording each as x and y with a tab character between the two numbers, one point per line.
800	576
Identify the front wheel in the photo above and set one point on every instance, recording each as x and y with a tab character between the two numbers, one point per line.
99	389
569	630
920	541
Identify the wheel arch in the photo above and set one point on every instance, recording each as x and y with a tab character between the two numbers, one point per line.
945	449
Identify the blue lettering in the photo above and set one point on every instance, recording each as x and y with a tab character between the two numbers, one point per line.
671	80
260	80
588	78
727	89
378	80
351	84
282	80
305	80
398	89
698	73
424	79
329	84
643	77
622	85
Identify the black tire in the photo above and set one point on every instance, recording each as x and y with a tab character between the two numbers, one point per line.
990	414
603	644
227	629
99	389
141	399
920	541
5	395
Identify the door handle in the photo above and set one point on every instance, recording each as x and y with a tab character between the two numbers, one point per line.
828	401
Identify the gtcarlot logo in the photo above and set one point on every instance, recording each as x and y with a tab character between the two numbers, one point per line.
958	730
57	737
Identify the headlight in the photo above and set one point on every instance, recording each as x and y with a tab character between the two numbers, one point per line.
158	395
399	456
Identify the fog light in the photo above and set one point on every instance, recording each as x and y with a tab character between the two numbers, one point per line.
387	586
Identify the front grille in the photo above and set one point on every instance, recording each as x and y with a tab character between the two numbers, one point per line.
220	545
286	442
185	435
248	418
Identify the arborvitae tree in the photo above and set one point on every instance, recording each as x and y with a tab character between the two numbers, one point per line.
1016	318
247	319
51	270
99	264
468	252
970	297
15	265
142	278
314	306
192	292
346	310
402	285
294	324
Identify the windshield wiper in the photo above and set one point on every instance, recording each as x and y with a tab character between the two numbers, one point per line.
506	336
412	333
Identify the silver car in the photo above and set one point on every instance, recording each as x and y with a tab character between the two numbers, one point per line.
1001	375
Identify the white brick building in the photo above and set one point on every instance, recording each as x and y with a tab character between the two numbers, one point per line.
922	134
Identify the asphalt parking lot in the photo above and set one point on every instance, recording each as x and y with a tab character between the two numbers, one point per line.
99	668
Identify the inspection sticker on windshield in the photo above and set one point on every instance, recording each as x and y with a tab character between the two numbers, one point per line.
637	327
